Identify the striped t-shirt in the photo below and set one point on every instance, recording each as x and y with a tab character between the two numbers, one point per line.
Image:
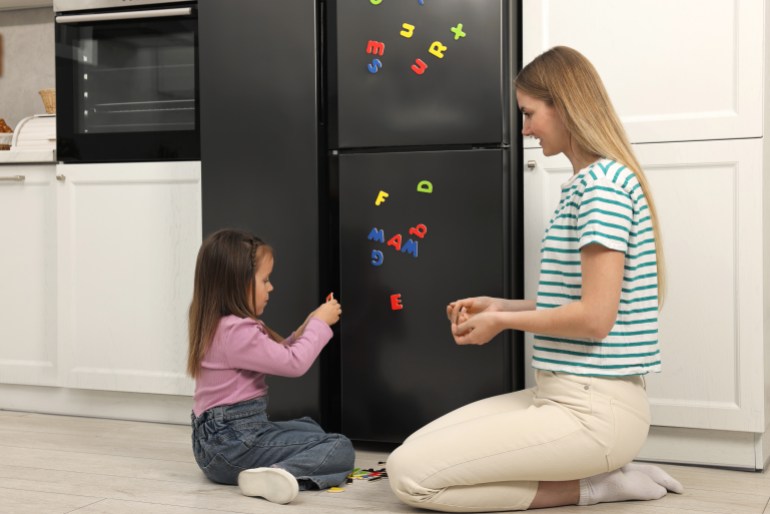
601	204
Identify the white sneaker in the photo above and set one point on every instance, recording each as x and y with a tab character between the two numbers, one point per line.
273	484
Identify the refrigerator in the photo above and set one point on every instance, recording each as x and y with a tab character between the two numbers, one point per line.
370	143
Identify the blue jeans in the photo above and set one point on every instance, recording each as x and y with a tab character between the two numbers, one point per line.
230	438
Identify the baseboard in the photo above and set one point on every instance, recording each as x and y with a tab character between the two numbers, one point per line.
724	449
156	408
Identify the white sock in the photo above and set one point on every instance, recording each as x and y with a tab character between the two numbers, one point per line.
631	482
657	474
273	484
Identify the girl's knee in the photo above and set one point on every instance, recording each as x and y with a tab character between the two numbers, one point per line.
347	448
342	450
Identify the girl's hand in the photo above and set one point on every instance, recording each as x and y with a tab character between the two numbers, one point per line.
329	312
476	329
472	306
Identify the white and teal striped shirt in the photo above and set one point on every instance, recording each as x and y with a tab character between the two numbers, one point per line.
601	204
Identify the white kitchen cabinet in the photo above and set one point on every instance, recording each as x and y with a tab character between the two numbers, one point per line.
709	404
129	234
675	71
28	351
97	278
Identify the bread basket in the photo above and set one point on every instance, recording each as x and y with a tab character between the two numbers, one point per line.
6	135
49	100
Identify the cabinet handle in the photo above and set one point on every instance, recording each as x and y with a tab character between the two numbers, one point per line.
60	178
14	178
531	165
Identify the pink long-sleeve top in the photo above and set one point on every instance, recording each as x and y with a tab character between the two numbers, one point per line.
242	354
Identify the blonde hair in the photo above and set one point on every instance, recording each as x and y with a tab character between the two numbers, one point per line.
224	280
563	78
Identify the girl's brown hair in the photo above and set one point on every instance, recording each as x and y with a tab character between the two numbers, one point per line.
563	78
224	280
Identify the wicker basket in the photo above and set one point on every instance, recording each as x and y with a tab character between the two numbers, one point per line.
49	100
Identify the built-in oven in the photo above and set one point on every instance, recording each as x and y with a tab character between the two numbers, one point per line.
126	80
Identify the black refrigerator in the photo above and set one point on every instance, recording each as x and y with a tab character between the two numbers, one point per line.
370	143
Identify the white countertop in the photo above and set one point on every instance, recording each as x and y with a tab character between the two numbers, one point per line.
24	4
27	156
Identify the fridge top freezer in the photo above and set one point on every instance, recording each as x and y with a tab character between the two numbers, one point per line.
418	73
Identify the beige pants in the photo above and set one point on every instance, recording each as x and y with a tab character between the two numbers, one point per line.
491	454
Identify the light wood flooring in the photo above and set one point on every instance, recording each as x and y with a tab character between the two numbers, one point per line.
58	464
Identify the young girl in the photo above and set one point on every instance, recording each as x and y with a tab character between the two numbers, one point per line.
571	438
231	352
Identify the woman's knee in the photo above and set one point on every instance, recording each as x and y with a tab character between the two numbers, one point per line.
403	472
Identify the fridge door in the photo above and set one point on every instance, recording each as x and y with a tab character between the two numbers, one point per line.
441	215
260	161
382	96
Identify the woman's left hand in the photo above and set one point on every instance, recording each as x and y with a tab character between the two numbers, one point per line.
477	329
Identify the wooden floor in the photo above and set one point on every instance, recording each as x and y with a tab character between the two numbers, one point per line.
57	464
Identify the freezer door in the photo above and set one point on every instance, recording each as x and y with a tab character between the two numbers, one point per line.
418	73
417	231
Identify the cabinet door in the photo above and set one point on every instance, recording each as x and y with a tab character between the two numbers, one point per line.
676	71
128	240
709	201
28	274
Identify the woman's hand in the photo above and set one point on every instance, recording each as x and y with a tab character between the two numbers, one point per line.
473	305
476	329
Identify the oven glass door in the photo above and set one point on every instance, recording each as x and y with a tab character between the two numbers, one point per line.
127	88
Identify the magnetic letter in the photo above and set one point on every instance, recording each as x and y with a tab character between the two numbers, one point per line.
458	31
425	186
377	235
374	66
395	302
408	30
377	258
420	230
419	66
437	49
381	196
410	247
377	47
376	2
395	242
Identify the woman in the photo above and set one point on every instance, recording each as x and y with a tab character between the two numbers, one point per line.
570	439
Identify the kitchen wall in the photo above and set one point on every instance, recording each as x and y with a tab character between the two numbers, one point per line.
26	61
